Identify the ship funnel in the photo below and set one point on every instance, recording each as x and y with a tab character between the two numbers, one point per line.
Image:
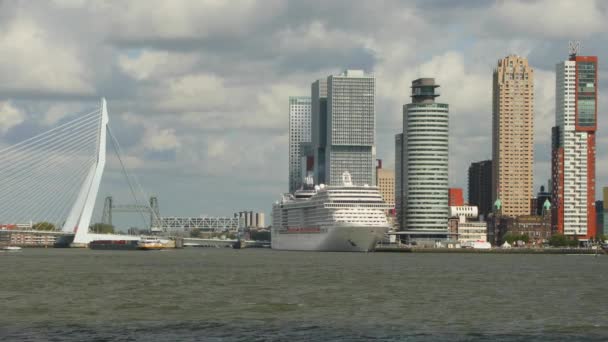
346	179
309	182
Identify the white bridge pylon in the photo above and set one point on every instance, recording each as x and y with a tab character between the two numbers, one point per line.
79	218
53	178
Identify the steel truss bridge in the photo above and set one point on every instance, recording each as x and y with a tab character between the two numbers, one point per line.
109	208
209	224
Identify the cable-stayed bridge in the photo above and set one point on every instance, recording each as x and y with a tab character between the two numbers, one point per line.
54	177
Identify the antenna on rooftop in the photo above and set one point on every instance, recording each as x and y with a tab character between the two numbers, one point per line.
574	47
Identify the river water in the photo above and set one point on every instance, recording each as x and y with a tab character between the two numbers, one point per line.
264	295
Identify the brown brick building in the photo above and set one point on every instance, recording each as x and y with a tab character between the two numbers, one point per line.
513	135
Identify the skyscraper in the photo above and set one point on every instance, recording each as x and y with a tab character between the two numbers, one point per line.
480	186
513	135
399	179
385	180
299	132
351	128
319	127
573	147
604	231
424	163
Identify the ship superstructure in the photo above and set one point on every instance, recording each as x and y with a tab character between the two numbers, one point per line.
330	218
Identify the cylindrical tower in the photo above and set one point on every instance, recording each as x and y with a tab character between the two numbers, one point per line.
250	219
425	164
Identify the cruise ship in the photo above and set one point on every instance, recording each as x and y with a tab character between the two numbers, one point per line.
347	218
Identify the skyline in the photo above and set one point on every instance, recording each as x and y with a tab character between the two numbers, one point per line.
203	103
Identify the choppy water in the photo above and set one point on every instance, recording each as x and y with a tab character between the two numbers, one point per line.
264	295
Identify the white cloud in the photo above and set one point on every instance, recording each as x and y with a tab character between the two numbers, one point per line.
210	80
182	19
158	139
464	91
31	59
10	116
194	92
157	64
548	18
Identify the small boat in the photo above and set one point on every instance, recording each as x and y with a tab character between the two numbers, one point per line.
11	248
150	244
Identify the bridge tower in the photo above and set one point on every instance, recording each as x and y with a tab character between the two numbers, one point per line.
79	218
106	215
154	214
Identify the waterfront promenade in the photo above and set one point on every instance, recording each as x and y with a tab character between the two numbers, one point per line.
517	250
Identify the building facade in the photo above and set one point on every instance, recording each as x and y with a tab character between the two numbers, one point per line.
455	197
385	180
573	147
28	237
463	221
604	231
350	128
537	228
424	162
299	132
539	202
513	135
480	186
599	218
398	179
318	92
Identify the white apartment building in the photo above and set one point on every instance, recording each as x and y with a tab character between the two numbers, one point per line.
573	145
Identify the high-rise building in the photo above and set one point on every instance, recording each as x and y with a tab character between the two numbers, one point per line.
599	219
385	180
573	147
299	132
513	135
399	179
424	164
351	128
318	91
455	197
307	158
480	186
260	223
541	197
604	231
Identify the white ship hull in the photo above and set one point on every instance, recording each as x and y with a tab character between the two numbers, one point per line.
337	238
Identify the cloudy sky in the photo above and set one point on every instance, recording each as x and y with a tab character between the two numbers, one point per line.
198	90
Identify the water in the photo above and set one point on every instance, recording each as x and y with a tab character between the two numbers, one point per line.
264	295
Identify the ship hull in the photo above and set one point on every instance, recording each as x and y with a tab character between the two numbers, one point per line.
113	245
337	238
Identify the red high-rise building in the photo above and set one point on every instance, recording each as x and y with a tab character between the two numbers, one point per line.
573	147
455	197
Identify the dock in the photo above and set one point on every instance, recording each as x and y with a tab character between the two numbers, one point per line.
515	250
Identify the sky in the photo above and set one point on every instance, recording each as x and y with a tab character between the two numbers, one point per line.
198	91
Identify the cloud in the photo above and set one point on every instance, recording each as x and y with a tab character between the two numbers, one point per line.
10	116
157	139
34	61
547	18
156	64
198	91
193	92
